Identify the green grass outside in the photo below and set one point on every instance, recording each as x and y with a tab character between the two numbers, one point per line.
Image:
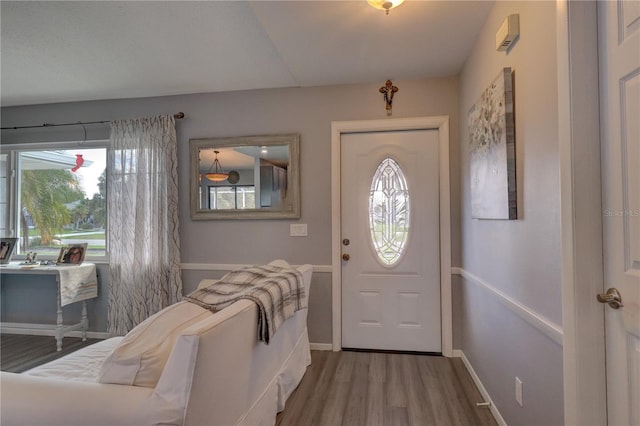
99	236
85	235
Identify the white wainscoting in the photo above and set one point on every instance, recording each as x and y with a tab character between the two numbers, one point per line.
544	325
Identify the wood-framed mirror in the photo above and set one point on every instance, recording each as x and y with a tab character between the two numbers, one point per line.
254	177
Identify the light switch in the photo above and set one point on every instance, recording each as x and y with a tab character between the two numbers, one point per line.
298	230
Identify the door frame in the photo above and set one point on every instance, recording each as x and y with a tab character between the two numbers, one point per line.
439	123
582	276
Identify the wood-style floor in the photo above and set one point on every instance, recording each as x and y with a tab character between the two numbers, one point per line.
386	389
339	388
20	352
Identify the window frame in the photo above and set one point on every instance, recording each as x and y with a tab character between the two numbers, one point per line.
212	197
13	188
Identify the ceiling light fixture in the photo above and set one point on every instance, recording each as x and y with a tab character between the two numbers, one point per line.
385	5
216	173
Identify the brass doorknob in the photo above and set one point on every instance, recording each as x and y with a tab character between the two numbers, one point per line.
612	297
346	256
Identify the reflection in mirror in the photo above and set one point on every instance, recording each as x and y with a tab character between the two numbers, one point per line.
248	177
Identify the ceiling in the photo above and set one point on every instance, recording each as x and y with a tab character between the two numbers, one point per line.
244	157
87	50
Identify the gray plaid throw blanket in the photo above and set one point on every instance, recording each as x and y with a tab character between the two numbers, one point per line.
278	292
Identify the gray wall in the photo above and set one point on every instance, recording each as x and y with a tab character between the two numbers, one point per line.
308	111
515	265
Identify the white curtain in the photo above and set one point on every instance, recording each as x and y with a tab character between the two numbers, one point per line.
144	246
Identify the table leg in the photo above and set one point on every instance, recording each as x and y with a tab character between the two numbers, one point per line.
59	329
85	321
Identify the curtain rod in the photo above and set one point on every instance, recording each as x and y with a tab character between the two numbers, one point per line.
177	116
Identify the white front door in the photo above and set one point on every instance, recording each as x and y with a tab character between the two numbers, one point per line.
620	115
390	240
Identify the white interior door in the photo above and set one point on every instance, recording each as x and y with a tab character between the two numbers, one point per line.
620	112
390	240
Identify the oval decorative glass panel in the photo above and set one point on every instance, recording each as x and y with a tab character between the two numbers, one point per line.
389	212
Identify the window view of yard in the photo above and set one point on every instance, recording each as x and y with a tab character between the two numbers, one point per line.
62	198
232	197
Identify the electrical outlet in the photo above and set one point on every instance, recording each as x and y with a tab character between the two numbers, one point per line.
519	391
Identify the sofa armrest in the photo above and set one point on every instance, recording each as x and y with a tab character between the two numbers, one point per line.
217	343
29	400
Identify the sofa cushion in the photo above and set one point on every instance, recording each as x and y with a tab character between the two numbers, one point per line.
80	366
141	355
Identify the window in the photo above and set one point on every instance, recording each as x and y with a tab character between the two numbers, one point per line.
54	196
4	198
232	197
389	212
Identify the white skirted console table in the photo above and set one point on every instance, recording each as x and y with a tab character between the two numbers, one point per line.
75	283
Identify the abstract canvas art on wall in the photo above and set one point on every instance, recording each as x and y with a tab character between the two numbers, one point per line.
492	151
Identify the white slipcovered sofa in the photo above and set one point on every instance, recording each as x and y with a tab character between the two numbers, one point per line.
217	373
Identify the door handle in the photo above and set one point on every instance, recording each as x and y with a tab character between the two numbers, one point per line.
346	257
612	297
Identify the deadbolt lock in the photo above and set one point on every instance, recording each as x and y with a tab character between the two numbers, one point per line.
346	242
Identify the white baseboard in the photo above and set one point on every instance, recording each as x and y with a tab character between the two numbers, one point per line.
483	391
321	346
33	330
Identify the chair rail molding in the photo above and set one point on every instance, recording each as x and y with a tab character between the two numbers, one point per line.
232	266
544	325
